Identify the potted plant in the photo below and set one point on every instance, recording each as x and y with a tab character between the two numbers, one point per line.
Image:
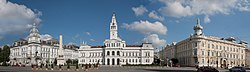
41	67
32	66
68	67
36	66
82	66
46	67
86	67
89	65
77	68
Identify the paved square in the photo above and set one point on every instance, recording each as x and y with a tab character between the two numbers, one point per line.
101	69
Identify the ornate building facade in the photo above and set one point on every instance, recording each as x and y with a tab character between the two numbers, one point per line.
115	51
202	50
33	50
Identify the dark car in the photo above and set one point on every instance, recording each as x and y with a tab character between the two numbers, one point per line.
237	69
207	69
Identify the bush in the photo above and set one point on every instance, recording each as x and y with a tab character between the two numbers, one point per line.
68	66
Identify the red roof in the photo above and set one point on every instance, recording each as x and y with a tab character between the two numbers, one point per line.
247	50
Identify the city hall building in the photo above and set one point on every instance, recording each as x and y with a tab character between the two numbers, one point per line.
34	50
202	50
115	51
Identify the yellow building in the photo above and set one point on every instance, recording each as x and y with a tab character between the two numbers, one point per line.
202	50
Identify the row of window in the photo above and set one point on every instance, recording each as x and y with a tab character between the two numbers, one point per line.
113	53
115	45
124	60
225	48
116	53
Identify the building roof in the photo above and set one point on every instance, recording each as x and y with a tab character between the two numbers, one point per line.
133	45
247	50
97	46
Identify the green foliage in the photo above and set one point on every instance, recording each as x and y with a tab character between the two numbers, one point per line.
69	61
77	66
4	54
75	61
41	66
86	67
36	65
68	66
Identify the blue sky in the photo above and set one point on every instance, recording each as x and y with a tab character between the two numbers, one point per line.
88	20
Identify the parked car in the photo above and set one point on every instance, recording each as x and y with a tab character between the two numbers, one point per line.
207	69
237	69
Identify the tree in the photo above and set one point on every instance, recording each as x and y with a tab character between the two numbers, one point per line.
69	61
75	61
4	54
175	61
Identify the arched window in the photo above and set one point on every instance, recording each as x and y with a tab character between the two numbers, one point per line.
113	52
108	62
108	53
118	53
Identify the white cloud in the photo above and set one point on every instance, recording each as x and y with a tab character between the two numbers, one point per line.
46	37
207	19
92	39
16	18
183	8
146	27
155	40
154	15
139	10
88	33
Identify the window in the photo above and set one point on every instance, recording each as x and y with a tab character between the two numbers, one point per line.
212	46
212	53
113	52
195	44
216	46
195	51
202	52
208	45
118	53
108	53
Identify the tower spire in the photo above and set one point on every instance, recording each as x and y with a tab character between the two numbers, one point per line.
113	28
198	21
198	28
34	35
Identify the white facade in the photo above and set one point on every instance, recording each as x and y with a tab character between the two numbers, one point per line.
70	52
202	50
33	50
115	51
